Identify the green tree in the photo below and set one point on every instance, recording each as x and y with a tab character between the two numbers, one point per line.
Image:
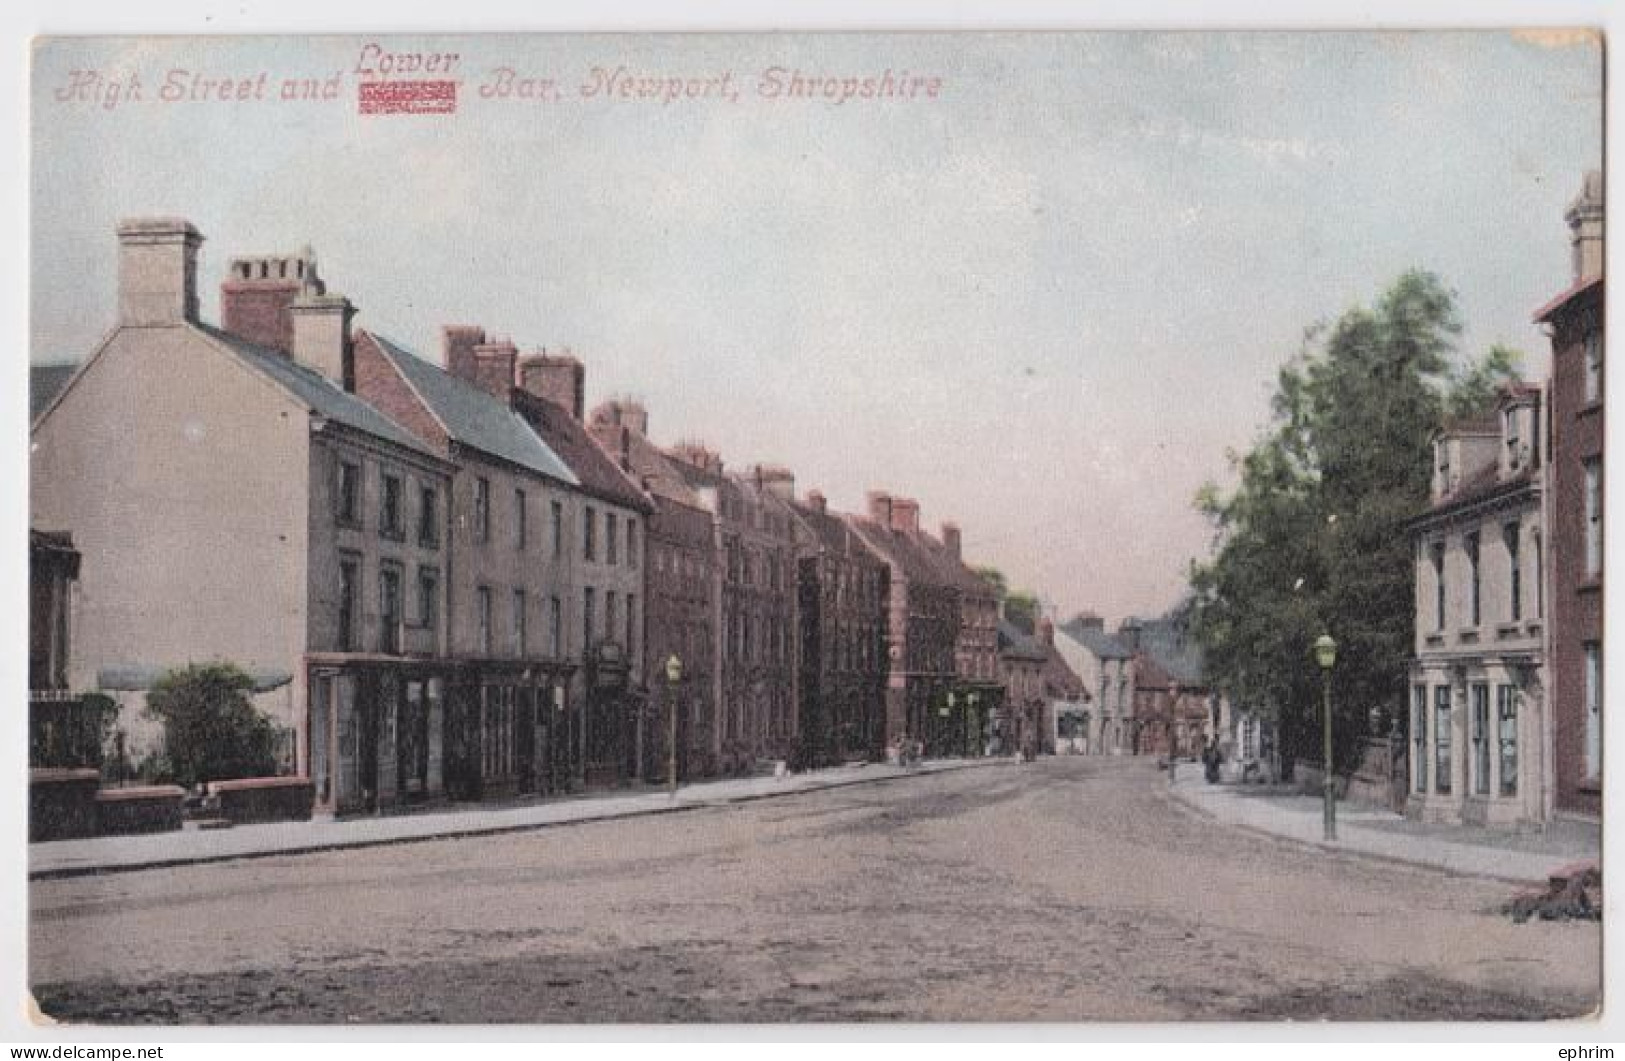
1314	537
212	730
992	574
1021	608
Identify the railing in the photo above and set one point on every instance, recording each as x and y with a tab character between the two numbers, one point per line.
63	731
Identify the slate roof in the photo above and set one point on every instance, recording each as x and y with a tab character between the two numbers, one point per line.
1016	644
1561	301
1166	644
316	391
1484	485
1060	680
46	382
595	472
955	571
474	417
919	564
1096	640
658	473
833	533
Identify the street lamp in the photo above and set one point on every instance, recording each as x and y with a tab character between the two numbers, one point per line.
674	674
1326	656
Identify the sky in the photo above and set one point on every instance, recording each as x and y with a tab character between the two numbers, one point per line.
1045	301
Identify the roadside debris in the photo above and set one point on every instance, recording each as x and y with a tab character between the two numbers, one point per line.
1572	893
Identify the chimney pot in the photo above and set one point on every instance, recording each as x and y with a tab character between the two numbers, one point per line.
880	507
493	367
257	296
905	515
457	345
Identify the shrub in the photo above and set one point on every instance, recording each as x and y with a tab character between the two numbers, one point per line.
212	730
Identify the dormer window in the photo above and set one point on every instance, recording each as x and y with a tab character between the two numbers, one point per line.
1510	431
1442	453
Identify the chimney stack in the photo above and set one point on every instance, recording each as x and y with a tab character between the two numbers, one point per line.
493	365
1128	632
257	296
776	480
905	515
559	378
698	455
623	412
951	540
1585	218
817	502
880	507
157	271
457	345
321	336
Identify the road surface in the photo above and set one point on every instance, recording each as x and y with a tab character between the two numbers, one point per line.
1069	889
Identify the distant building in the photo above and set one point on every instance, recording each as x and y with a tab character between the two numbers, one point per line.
1106	668
1175	710
682	579
755	665
844	587
1022	659
1575	499
1066	700
1478	694
924	615
978	694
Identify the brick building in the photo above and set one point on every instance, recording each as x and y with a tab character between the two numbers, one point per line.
507	570
756	673
1021	663
680	595
844	588
1174	710
1478	690
222	524
1574	513
978	694
922	627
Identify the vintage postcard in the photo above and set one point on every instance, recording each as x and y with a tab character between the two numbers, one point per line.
816	528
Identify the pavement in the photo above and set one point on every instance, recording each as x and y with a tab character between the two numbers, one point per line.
1519	856
116	854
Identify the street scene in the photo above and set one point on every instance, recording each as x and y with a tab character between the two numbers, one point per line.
1054	891
734	529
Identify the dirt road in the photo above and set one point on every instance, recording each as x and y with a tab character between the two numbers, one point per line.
1070	889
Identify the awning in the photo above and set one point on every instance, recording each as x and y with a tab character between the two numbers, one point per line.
139	677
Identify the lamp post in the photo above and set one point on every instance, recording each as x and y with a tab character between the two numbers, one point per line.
1326	656
674	674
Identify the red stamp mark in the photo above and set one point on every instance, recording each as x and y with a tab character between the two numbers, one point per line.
408	97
